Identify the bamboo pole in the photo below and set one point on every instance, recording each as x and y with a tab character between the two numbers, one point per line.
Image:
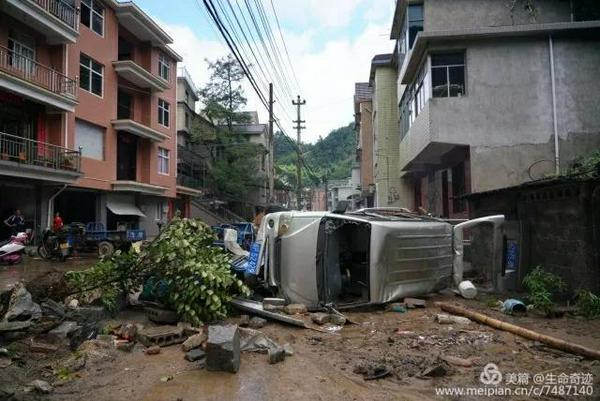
521	331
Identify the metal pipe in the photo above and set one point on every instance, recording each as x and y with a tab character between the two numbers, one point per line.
51	205
554	119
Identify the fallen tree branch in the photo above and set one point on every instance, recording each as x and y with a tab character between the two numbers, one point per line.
520	331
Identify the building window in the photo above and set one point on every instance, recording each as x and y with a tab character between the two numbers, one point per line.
412	26
92	15
163	161
90	138
448	74
413	101
187	120
90	75
163	67
163	112
22	53
160	211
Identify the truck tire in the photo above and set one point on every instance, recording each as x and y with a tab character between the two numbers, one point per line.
105	249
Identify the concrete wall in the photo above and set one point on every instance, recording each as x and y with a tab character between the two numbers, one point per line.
460	14
506	115
366	140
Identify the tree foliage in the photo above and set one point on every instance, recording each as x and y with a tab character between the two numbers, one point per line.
196	276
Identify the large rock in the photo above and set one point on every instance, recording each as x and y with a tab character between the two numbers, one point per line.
14	326
41	386
257	322
21	306
294	309
223	348
64	330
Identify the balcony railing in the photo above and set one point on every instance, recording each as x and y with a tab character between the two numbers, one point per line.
190	182
34	72
28	152
62	10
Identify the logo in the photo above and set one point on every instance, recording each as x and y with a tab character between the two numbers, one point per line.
490	374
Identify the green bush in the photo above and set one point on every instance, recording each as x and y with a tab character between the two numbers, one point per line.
542	287
588	304
198	279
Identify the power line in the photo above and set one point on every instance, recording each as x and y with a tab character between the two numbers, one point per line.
285	46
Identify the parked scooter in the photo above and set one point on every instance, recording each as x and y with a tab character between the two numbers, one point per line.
11	251
54	245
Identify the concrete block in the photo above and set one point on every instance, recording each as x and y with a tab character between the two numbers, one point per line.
161	336
223	348
162	316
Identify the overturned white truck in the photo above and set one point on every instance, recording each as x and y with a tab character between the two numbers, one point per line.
369	256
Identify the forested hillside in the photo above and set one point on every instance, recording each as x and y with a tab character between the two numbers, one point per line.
331	156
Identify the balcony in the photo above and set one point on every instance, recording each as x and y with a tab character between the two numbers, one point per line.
57	20
139	129
27	158
35	81
139	76
188	185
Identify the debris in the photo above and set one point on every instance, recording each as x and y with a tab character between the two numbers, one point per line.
90	313
257	322
75	363
295	309
467	289
73	304
412	303
520	331
107	339
162	316
371	371
194	341
336	319
244	321
161	335
124	345
404	333
43	348
14	326
153	350
320	318
456	361
256	308
41	386
255	341
273	304
398	307
513	306
437	370
450	319
195	355
165	379
64	330
289	351
276	355
53	308
45	324
188	329
128	331
223	348
4	352
5	362
21	306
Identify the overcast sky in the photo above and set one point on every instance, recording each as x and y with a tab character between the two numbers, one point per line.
331	43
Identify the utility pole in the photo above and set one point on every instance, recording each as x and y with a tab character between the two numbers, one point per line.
271	164
299	127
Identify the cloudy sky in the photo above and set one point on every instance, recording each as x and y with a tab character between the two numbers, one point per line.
330	42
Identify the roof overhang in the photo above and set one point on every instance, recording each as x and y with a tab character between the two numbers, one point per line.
139	76
123	208
134	186
14	169
141	130
183	190
36	93
399	13
426	39
140	24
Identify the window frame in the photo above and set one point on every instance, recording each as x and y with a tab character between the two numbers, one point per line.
163	155
447	68
164	65
164	108
91	72
92	12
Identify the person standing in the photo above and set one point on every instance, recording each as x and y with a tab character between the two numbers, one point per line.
16	222
58	222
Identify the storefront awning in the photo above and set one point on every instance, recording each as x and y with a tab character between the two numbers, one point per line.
123	208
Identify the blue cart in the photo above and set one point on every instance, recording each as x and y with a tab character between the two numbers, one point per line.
106	241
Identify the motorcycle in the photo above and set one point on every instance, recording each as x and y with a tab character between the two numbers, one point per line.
11	251
54	245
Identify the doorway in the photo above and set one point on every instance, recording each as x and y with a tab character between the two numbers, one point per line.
127	145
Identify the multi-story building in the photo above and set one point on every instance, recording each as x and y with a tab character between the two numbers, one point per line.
492	94
341	190
363	124
87	100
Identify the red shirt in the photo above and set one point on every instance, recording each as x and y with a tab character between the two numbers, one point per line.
58	223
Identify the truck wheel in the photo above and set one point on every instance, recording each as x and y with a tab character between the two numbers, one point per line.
105	249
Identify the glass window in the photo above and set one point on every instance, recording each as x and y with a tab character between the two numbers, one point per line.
90	75
448	75
163	112
92	15
415	22
163	67
163	161
90	138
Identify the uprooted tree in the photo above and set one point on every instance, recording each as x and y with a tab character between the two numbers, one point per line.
194	277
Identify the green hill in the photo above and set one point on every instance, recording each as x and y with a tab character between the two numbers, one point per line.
331	156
